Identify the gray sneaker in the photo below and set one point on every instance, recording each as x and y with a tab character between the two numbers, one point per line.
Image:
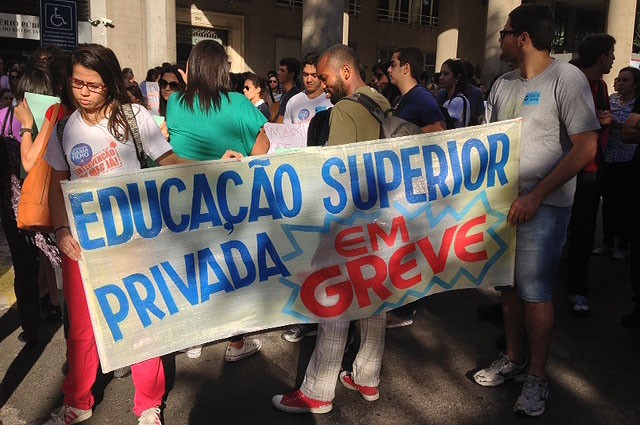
533	397
499	371
297	332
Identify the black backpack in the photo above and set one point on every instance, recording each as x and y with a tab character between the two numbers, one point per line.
318	132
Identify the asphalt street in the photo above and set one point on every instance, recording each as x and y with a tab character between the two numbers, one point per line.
593	369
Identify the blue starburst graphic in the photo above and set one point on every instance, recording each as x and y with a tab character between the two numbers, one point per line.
433	219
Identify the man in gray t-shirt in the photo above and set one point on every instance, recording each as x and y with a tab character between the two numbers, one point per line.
558	140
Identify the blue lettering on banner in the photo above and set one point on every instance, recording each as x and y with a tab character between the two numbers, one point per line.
447	172
532	98
150	295
81	154
127	212
366	180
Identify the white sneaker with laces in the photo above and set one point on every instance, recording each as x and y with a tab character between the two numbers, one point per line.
500	371
193	352
533	397
150	417
67	415
579	305
620	254
249	348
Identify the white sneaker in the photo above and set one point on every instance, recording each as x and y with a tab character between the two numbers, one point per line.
602	250
250	347
533	398
193	352
500	370
620	254
579	305
67	415
150	417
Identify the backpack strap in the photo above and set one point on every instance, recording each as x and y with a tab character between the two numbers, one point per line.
464	108
133	125
371	105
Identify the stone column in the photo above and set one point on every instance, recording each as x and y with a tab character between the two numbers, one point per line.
160	32
497	15
323	25
99	32
620	24
448	25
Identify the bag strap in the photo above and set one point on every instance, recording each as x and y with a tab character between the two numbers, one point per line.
133	125
464	108
370	104
47	134
4	123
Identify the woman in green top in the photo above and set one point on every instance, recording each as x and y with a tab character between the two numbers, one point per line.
206	120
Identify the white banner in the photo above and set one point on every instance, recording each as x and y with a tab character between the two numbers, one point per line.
183	255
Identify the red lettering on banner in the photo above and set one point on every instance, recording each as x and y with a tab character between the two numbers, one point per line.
368	273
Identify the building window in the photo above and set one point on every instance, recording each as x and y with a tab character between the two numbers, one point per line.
413	12
188	36
291	4
355	7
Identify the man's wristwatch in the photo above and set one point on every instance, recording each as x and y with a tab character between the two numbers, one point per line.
26	130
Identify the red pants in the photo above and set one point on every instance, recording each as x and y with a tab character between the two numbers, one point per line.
82	353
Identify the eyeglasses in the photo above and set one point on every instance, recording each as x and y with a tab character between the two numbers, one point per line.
379	75
273	81
174	85
92	87
503	33
246	88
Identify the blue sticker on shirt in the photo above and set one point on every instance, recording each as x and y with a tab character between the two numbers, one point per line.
304	114
532	98
81	154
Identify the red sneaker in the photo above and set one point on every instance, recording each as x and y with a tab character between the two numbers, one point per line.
368	393
296	402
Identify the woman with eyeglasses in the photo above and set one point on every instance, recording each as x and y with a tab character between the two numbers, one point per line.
98	125
208	118
255	89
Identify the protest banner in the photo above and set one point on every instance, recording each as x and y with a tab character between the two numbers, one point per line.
153	97
183	255
286	135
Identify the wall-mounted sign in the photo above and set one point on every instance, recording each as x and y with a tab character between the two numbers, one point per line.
59	23
19	26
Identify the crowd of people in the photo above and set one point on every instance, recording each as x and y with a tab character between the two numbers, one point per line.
578	147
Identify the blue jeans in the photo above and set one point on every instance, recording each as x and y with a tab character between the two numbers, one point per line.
539	245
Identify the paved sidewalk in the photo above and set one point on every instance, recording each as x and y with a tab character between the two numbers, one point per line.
593	371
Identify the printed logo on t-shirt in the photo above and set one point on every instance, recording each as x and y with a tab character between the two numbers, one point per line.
93	165
81	154
303	115
532	98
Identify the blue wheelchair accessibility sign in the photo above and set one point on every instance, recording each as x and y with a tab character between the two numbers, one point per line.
59	23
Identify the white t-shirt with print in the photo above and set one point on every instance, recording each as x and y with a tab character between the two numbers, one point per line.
301	109
90	150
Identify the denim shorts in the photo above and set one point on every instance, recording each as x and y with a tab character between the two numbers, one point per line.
539	246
